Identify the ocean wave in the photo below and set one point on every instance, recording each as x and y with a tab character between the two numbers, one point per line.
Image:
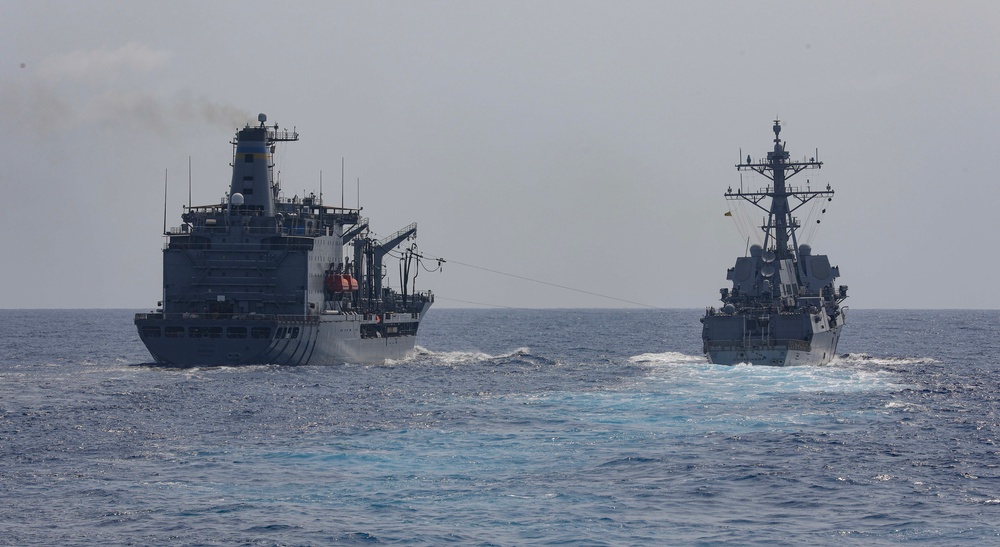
668	358
903	406
453	358
866	358
754	380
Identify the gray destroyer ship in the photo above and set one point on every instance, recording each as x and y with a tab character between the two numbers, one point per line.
783	307
263	279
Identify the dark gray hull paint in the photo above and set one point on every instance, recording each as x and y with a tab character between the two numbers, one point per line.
819	351
327	339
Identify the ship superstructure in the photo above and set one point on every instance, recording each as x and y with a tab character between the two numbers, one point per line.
784	307
259	278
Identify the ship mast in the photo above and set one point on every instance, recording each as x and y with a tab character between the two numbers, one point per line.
780	225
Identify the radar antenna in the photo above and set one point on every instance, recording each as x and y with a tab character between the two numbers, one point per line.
780	225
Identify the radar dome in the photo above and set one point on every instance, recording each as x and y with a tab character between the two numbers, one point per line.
261	117
805	250
237	199
755	250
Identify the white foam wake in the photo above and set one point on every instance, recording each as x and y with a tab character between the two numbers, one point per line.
668	358
452	358
865	358
695	372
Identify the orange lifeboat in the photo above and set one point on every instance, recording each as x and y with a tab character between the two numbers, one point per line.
337	283
352	283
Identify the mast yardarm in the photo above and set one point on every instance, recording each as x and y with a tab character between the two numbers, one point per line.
781	225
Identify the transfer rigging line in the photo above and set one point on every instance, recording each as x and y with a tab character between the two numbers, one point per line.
547	283
439	297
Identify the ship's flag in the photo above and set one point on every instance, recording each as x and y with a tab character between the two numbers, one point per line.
729	213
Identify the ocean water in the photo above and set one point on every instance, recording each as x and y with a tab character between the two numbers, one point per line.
509	427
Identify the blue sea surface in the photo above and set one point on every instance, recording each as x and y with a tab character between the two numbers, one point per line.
508	427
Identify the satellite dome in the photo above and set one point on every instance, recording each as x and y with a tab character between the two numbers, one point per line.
805	250
755	250
261	117
237	199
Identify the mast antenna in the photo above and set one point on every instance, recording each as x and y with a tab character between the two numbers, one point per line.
341	182
189	182
165	201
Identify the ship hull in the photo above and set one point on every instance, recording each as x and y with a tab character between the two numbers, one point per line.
786	339
324	339
818	351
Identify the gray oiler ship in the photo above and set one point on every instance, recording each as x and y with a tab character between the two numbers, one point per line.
783	308
262	279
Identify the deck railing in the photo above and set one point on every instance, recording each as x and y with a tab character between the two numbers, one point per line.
228	317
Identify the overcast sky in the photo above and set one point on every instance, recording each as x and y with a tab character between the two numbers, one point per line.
584	144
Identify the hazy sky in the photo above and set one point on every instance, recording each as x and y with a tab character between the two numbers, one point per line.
585	144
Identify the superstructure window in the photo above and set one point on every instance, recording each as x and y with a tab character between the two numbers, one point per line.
173	332
205	332
151	332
